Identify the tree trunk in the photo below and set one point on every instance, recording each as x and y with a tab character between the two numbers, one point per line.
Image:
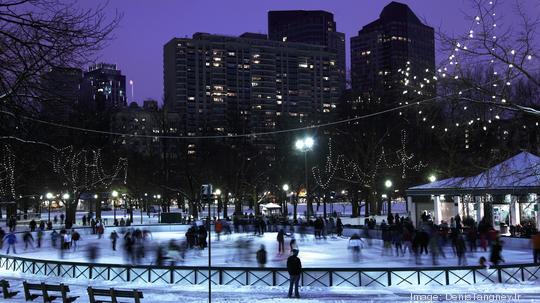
97	205
255	202
193	208
355	203
295	209
225	206
367	201
71	211
309	210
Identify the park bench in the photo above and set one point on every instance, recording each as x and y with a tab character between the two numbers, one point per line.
113	295
45	289
4	284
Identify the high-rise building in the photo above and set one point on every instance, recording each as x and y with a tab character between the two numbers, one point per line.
60	88
237	85
392	53
312	27
135	121
104	87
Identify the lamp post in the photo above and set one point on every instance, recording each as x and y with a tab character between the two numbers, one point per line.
158	196
284	209
304	145
114	194
49	197
388	185
217	193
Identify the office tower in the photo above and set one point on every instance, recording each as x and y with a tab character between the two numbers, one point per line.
238	85
104	87
392	54
60	88
312	27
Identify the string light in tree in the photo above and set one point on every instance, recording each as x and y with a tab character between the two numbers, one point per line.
7	173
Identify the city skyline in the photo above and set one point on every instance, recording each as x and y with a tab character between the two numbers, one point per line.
143	64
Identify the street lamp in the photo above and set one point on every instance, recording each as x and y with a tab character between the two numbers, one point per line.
158	196
284	209
49	197
217	193
432	178
304	145
114	194
388	185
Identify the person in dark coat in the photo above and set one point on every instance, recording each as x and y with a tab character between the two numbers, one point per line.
339	227
261	256
496	249
281	241
11	239
294	267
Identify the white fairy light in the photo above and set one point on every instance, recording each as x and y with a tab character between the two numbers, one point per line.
529	57
513	52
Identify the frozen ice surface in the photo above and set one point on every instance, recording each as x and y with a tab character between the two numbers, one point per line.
330	253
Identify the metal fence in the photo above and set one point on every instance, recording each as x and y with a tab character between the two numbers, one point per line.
240	276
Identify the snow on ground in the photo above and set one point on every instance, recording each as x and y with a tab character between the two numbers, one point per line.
332	252
528	292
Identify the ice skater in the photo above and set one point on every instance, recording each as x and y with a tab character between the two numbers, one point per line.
28	240
294	267
11	239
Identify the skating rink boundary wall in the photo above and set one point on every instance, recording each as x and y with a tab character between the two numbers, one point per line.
242	276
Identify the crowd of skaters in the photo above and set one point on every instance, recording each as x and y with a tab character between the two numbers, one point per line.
399	238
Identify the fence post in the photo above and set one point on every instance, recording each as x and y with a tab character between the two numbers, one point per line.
128	278
522	273
330	277
274	282
447	276
499	274
171	275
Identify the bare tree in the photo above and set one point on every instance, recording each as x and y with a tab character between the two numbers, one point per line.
37	35
83	171
325	177
506	49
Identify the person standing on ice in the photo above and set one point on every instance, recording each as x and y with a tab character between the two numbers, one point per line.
54	238
114	238
28	240
293	245
11	239
75	237
281	241
496	252
294	267
261	256
339	227
2	235
535	242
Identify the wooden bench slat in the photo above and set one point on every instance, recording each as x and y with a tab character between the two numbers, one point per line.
45	288
113	294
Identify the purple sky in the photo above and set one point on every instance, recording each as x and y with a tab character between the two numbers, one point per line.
148	24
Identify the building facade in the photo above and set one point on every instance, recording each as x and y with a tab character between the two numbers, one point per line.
104	87
311	27
222	85
61	93
393	54
139	121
